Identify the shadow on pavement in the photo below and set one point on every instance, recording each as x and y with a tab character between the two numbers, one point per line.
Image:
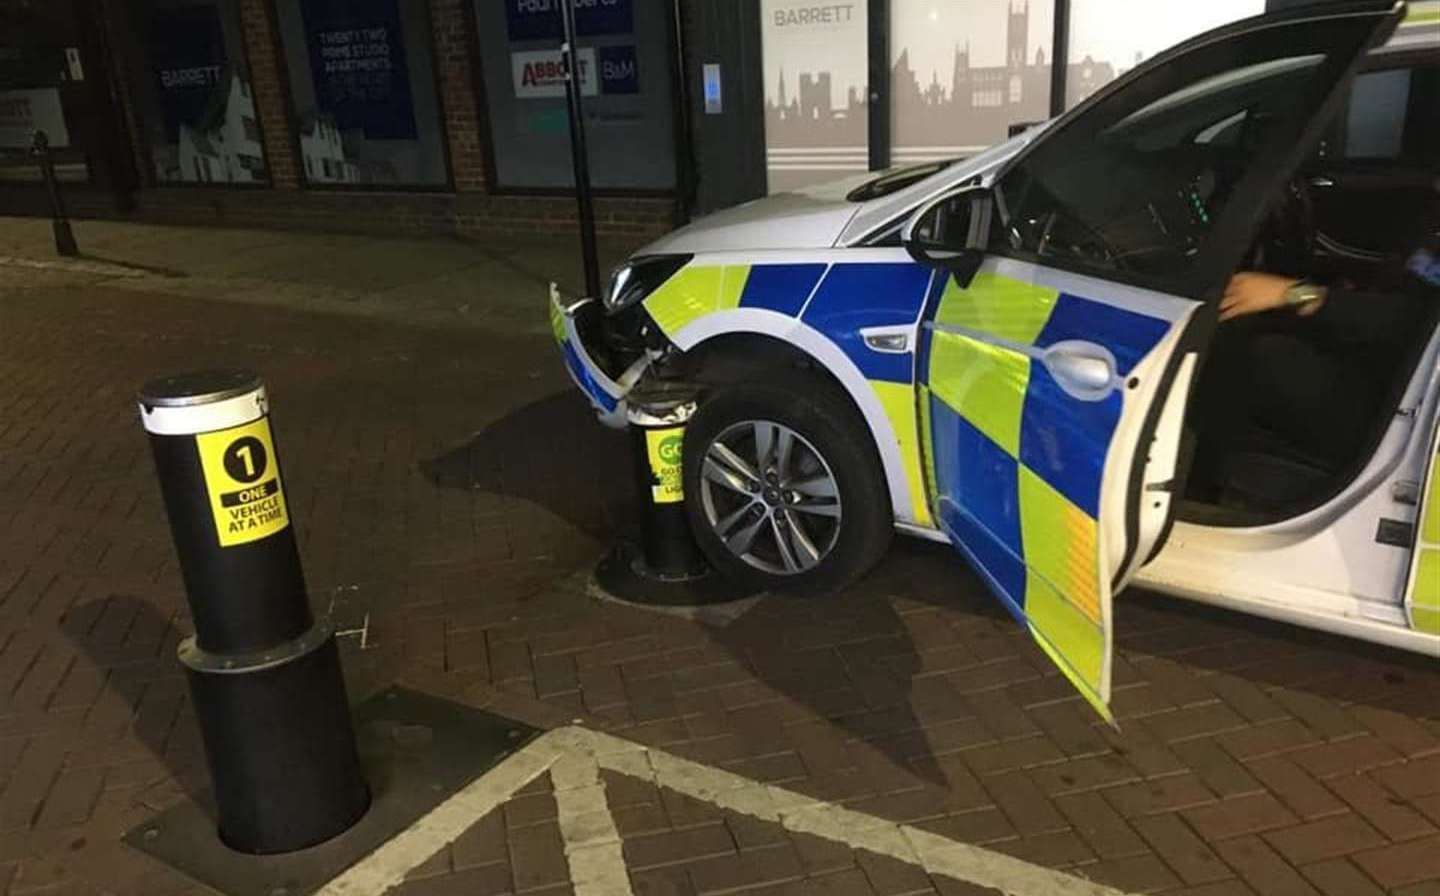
1272	654
852	659
551	453
156	270
129	643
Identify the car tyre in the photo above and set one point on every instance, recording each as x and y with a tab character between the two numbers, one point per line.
828	548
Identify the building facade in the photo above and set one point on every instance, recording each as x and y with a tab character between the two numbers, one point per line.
448	116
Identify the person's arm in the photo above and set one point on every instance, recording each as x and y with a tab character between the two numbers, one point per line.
1353	315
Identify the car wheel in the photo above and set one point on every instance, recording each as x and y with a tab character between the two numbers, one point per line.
783	487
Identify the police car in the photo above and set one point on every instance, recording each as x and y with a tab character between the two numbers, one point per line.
998	353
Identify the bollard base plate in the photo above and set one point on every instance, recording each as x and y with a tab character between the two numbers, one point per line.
623	575
417	751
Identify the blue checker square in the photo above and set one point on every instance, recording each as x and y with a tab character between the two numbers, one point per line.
780	287
1127	334
870	294
978	483
1064	439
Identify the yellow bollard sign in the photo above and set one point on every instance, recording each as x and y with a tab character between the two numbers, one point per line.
243	482
663	447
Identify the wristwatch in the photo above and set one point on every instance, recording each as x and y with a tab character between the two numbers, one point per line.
1303	292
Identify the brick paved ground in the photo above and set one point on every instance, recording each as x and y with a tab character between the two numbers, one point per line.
446	483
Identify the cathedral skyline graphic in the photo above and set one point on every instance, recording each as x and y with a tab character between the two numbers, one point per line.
937	114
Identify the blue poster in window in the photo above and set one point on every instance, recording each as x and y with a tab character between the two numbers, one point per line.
540	19
618	70
357	62
187	58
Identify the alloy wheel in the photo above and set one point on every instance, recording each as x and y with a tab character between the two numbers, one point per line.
770	497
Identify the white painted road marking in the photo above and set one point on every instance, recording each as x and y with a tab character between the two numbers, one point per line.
574	757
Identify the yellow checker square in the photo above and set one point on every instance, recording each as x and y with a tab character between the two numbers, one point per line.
1072	641
1425	599
694	292
1430	525
1060	543
925	443
898	400
998	306
983	383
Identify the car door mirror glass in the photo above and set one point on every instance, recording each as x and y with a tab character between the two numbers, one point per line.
950	232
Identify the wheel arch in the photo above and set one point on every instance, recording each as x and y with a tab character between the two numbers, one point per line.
725	342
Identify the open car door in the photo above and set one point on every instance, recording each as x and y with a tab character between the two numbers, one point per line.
1056	360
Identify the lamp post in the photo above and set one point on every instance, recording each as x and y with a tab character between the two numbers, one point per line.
579	157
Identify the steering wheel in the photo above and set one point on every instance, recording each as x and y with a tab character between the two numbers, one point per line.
1098	248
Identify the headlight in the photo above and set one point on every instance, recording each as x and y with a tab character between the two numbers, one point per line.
637	278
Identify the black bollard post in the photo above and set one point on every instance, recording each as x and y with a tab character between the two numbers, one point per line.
657	432
666	568
264	675
59	222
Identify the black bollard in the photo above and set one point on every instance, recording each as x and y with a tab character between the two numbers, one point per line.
59	222
666	568
264	675
657	432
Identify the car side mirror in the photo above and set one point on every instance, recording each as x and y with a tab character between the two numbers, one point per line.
950	232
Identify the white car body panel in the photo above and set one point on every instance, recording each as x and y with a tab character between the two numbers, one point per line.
1325	565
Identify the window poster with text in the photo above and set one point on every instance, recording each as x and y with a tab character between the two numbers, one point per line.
187	58
816	91
540	19
357	61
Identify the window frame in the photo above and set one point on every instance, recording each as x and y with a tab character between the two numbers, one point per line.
135	54
1387	60
679	103
292	118
1209	276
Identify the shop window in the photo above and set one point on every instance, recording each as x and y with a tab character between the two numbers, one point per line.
816	91
626	82
193	93
362	81
962	73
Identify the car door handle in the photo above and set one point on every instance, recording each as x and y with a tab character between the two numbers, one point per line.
1083	369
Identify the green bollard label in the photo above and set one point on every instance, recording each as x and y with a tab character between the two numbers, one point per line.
664	449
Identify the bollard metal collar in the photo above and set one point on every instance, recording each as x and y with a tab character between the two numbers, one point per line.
198	387
200	660
660	403
676	414
206	401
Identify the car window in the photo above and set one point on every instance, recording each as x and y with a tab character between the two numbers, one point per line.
1394	115
1135	184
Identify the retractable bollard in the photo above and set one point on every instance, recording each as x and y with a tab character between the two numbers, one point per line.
666	568
657	430
264	675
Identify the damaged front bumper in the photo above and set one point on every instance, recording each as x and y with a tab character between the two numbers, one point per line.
577	325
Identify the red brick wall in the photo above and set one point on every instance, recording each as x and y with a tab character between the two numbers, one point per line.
268	81
450	24
471	211
470	215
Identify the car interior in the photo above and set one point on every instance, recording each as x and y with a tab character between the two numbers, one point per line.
1348	220
1355	211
